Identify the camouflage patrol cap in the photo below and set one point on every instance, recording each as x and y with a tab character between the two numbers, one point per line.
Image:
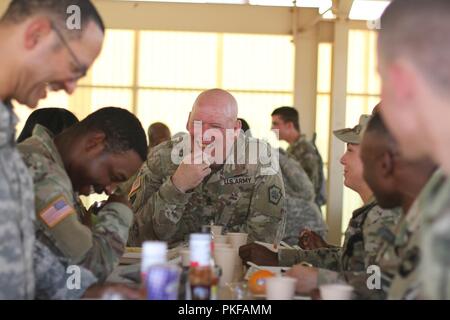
353	135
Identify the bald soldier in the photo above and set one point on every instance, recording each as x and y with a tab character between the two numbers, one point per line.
214	174
94	155
416	90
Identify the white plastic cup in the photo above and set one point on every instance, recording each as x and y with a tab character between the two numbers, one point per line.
220	239
280	288
222	245
336	292
237	239
225	258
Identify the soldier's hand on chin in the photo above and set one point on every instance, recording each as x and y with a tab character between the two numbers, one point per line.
190	173
99	291
258	254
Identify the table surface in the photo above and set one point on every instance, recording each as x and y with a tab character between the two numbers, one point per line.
233	291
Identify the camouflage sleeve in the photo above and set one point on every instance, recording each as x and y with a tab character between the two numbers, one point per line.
109	238
302	214
54	281
310	164
435	264
377	221
158	204
301	211
13	273
326	258
62	231
267	209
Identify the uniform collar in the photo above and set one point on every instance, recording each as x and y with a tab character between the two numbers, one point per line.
300	139
370	204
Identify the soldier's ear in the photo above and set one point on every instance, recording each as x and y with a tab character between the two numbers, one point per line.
95	142
237	127
35	32
387	164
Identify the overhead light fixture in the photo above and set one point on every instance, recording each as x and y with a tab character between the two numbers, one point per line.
368	9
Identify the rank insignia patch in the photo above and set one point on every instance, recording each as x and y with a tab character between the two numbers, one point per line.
274	194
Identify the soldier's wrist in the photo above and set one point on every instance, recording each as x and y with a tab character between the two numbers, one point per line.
177	185
171	194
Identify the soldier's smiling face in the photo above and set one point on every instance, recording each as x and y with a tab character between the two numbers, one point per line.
213	120
353	168
97	169
42	44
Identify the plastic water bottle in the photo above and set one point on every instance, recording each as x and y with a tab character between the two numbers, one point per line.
201	276
160	279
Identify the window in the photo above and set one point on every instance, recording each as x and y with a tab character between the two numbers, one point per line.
325	55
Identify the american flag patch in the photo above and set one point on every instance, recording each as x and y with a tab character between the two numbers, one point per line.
56	211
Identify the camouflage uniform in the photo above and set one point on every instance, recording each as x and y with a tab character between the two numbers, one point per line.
399	259
434	204
368	228
27	268
58	210
361	244
307	155
238	196
301	210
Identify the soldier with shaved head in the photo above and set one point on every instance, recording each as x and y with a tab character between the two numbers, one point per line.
208	175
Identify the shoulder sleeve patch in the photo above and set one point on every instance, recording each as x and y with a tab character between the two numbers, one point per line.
275	194
56	211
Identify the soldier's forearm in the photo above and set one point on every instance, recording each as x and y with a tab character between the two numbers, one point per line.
115	218
166	208
110	236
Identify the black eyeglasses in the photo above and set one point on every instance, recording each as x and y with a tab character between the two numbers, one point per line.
81	69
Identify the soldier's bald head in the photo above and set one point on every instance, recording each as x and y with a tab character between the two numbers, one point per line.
218	101
417	30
